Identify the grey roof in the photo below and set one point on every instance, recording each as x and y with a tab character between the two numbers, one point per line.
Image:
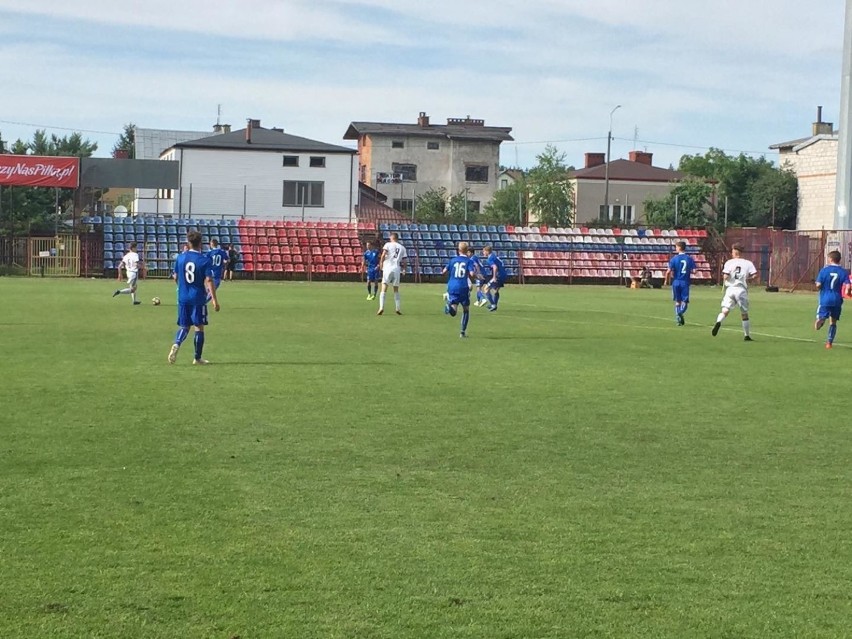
801	143
150	143
628	171
262	140
447	131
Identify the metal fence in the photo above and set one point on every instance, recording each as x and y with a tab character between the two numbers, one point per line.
790	260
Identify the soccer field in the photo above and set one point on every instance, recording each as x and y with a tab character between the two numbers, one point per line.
578	467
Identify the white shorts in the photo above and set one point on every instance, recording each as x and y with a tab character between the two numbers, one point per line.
736	296
390	277
131	279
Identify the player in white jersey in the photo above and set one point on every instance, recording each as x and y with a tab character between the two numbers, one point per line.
393	254
130	263
736	273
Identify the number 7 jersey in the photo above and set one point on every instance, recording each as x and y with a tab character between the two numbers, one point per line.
191	269
831	280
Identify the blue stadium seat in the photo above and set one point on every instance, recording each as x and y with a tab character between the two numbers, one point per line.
443	229
108	265
453	228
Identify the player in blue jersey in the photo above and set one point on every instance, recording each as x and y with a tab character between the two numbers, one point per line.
460	271
478	277
370	267
194	274
219	262
830	282
681	268
495	271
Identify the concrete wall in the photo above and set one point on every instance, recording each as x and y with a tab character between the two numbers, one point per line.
444	167
251	183
589	197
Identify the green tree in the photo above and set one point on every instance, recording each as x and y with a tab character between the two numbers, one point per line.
430	207
126	144
746	183
508	206
687	204
551	196
33	210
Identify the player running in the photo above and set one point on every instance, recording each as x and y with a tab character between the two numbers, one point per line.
478	277
393	253
496	271
130	263
681	268
195	281
370	268
460	270
736	273
219	262
830	282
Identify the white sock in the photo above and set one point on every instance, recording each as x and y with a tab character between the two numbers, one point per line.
125	291
396	299
133	295
381	301
720	317
746	326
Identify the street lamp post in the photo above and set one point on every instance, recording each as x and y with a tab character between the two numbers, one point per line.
606	168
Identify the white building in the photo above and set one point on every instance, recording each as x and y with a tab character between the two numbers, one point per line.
262	173
814	161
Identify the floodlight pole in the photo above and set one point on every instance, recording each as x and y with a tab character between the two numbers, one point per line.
606	168
843	189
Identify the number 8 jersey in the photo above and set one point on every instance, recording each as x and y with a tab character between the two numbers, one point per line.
191	269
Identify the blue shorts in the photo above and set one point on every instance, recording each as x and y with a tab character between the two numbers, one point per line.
824	312
680	291
373	275
497	284
461	297
192	315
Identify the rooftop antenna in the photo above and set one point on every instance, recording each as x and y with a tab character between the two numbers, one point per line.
218	114
635	136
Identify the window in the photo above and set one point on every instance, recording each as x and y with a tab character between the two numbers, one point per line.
165	194
317	162
504	183
404	206
397	144
433	146
476	173
473	206
617	213
303	193
362	172
291	160
407	171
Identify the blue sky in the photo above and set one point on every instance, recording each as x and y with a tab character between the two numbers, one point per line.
689	74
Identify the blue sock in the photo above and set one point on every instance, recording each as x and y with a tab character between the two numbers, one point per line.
832	331
452	310
496	297
683	306
369	289
465	317
199	343
181	335
490	297
479	295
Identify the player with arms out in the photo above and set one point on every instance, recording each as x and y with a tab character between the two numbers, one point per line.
736	273
460	270
393	253
370	268
830	282
496	272
219	262
130	263
195	281
681	268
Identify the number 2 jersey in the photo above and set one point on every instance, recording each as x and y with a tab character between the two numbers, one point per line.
737	271
831	280
191	268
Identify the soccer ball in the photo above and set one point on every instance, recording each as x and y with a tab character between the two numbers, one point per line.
155	301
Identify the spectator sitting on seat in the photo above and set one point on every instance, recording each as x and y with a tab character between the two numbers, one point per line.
645	278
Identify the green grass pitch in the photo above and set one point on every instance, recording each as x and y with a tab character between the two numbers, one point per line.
578	467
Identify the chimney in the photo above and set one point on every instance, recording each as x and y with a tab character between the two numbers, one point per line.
595	159
820	127
221	128
277	129
121	154
642	157
251	124
423	120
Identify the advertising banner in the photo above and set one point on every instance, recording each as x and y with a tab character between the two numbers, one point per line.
36	170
